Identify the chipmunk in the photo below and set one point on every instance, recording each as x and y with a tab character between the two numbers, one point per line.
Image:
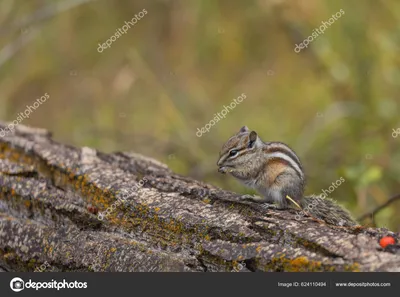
275	171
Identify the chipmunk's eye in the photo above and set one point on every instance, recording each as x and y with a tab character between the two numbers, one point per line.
233	153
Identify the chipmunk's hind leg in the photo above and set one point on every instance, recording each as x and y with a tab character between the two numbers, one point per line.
285	185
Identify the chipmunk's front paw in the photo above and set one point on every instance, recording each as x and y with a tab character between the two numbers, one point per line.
224	169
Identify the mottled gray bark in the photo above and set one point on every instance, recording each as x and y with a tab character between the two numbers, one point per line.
52	195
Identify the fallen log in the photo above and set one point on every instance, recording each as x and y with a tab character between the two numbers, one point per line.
64	208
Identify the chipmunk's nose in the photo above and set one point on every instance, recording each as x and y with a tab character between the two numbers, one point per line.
219	162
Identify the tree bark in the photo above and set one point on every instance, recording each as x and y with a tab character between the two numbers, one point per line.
77	209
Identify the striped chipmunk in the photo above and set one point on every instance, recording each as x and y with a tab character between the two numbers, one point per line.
275	171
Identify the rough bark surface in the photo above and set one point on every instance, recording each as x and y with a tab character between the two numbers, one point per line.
152	219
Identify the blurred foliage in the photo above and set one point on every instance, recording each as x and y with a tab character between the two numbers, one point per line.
335	103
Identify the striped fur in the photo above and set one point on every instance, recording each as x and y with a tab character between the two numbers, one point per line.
283	153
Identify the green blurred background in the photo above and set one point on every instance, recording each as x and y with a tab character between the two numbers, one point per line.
335	103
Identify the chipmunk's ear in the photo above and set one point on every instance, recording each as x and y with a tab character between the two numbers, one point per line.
244	129
252	138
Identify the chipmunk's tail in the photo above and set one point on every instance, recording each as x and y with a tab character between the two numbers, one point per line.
327	210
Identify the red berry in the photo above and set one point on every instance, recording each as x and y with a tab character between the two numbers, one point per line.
92	209
387	240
